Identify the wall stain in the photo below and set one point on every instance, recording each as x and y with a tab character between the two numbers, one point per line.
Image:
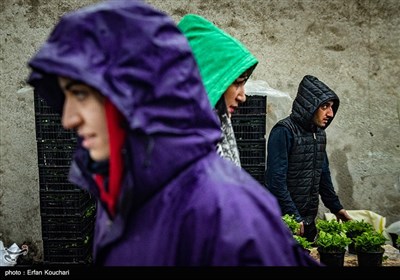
336	48
338	160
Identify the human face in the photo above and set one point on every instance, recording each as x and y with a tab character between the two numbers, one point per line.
323	114
84	111
235	94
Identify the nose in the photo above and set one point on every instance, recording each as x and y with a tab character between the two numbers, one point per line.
70	118
241	97
330	112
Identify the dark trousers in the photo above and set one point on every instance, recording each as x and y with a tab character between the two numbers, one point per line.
310	232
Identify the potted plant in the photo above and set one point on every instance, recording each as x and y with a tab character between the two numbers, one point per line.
329	226
355	228
331	242
369	248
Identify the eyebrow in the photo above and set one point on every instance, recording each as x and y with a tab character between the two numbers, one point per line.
244	75
72	83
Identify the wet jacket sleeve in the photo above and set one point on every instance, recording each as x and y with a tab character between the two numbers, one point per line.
279	146
326	190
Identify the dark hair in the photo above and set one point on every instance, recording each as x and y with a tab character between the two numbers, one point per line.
249	71
220	107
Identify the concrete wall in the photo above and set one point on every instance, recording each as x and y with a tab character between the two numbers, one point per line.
351	45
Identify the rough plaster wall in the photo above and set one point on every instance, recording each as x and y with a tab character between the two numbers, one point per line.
353	46
24	26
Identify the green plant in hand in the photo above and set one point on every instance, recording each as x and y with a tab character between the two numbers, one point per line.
291	222
294	227
371	241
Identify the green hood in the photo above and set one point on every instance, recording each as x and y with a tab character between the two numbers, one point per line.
220	57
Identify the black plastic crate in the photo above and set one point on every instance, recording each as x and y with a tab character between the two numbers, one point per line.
67	251
254	147
48	123
249	127
65	228
55	153
252	152
41	107
48	127
254	105
55	178
58	203
67	212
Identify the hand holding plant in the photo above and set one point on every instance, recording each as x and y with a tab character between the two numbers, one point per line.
292	224
294	227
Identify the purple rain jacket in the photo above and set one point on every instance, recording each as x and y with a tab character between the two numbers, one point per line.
180	203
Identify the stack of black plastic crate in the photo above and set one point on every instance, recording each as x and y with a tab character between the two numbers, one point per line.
249	124
67	212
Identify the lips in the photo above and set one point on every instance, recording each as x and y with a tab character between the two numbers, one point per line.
232	109
88	141
325	122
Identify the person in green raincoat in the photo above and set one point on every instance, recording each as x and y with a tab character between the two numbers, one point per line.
225	65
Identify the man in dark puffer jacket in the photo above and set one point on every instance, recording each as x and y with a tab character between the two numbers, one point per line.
297	169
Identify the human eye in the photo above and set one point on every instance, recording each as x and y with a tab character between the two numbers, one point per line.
80	93
324	106
240	81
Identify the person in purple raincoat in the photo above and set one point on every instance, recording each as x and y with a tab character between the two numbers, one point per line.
124	77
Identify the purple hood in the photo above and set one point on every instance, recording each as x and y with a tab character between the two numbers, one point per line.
137	58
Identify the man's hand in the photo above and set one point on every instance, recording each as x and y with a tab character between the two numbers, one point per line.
301	229
343	215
